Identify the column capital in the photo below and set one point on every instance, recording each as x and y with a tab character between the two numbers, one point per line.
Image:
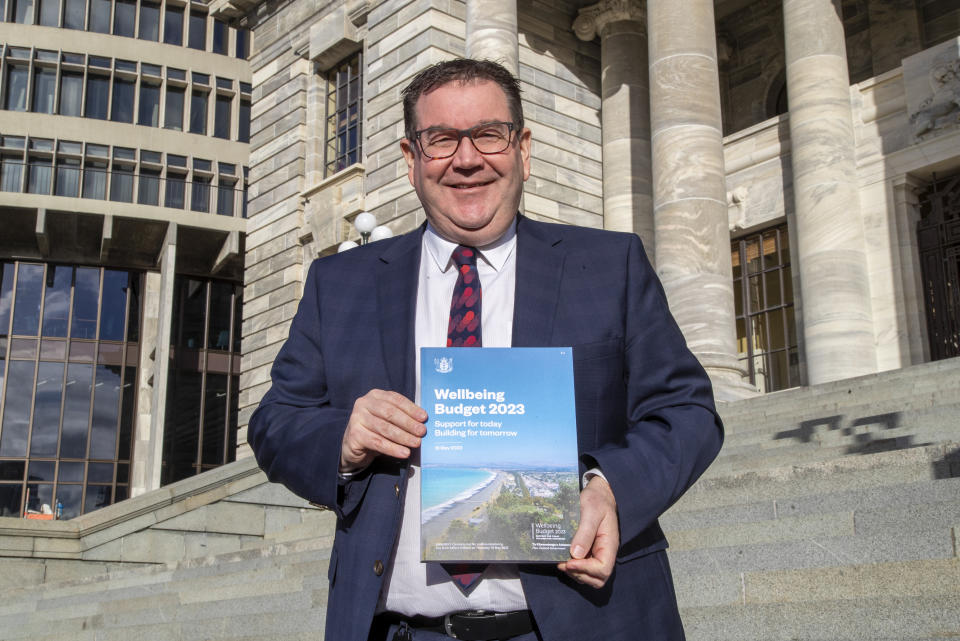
592	20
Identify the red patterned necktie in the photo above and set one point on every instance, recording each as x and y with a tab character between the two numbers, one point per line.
465	330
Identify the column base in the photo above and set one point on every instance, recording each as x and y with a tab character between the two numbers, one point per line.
727	377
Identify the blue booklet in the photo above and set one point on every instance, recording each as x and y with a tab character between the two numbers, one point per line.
500	480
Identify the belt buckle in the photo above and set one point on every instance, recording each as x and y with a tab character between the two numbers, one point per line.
448	626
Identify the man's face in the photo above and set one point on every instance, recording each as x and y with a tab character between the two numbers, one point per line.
470	198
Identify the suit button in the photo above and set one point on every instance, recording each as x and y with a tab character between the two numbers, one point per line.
377	567
396	490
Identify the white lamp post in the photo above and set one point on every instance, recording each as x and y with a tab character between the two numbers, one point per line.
366	225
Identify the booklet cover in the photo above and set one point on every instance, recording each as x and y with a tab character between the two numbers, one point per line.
500	479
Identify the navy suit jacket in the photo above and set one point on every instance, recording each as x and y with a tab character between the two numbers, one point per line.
645	415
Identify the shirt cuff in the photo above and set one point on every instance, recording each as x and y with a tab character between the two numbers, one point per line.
589	474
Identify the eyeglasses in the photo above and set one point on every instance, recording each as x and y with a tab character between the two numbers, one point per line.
488	138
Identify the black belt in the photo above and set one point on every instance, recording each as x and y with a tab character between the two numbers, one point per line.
470	625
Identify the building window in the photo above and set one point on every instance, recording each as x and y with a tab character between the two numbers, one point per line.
74	14
16	87
200	430
149	103
763	298
344	115
220	32
44	89
198	111
124	17
149	20
221	117
197	38
173	25
100	16
68	379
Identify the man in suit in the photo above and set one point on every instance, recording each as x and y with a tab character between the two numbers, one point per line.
340	426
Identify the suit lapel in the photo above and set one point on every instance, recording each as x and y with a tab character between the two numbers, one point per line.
539	267
397	276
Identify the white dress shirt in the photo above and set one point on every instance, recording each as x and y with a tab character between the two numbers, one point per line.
413	587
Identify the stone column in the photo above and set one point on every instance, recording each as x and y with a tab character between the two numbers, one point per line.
492	32
837	315
154	367
625	114
689	191
914	343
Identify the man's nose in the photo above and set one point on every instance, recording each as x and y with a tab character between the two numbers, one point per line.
467	156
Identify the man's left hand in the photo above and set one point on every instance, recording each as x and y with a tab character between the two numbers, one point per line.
595	544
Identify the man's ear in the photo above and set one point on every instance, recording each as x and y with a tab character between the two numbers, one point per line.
524	140
409	154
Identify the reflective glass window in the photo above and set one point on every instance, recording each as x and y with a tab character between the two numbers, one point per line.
242	48
124	17
16	88
71	93
226	197
100	16
219	37
173	109
198	31
96	497
50	13
95	180
76	411
70	497
198	112
214	419
122	109
98	96
26	312
67	181
85	298
23	11
121	184
182	429
74	14
221	120
44	89
106	408
149	20
6	301
11	173
10	499
221	304
56	300
149	191
173	25
16	409
40	177
175	192
200	194
114	305
149	105
243	123
46	411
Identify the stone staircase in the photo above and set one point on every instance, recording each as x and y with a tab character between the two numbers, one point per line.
832	513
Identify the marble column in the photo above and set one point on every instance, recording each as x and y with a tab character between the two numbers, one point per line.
492	32
689	190
625	114
837	316
911	315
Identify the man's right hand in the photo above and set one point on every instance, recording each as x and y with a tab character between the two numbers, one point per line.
381	423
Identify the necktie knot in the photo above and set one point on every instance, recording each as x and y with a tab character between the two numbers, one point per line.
464	255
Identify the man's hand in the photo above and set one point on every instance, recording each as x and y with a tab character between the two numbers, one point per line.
381	423
595	544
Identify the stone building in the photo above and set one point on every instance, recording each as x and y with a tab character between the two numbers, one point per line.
123	165
791	166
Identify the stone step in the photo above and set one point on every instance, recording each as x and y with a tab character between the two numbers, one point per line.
856	619
912	387
884	469
839	500
916	543
859	522
921	578
930	424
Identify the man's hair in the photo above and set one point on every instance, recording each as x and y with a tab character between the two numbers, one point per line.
461	70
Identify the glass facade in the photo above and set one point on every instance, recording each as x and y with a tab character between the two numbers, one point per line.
763	299
200	431
69	353
124	91
344	115
120	18
121	174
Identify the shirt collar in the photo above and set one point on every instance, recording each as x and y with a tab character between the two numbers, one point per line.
495	254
